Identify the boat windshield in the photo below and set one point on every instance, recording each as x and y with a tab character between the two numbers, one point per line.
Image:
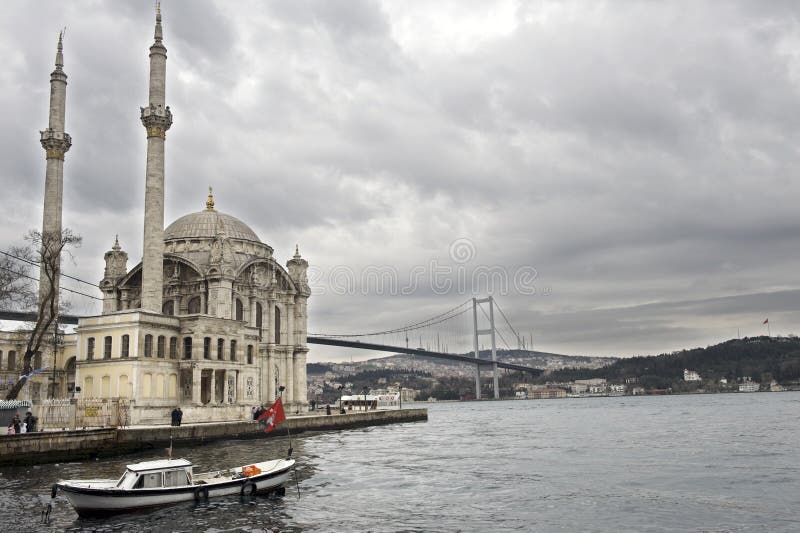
126	479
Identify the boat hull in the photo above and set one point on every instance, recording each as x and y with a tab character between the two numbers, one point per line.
101	500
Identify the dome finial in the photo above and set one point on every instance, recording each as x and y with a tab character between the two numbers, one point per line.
210	201
297	251
116	246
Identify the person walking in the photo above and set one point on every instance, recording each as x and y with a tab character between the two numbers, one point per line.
17	424
30	421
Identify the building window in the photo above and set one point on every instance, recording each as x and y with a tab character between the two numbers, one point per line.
126	346
233	350
89	349
168	308
207	348
249	354
12	360
161	346
37	360
107	343
1	358
220	349
194	306
239	310
173	347
187	347
277	325
148	345
259	316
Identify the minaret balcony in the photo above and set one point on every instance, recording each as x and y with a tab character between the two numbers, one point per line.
56	143
156	118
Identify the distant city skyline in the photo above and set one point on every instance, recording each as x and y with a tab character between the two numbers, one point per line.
620	176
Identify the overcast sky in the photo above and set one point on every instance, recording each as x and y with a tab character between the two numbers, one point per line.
629	167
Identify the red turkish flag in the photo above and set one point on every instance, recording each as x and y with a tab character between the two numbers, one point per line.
273	416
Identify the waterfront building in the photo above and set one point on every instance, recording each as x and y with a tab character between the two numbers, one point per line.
54	366
208	320
690	375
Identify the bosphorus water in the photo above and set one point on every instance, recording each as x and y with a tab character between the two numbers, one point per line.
726	462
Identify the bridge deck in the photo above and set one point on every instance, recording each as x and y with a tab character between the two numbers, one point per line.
418	351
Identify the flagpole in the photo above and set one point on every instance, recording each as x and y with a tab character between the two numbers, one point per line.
289	453
288	432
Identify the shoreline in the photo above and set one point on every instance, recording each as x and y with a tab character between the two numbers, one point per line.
69	445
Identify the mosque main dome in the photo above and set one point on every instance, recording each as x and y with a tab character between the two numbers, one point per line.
207	225
207	238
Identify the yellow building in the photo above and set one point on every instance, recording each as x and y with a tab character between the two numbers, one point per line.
40	385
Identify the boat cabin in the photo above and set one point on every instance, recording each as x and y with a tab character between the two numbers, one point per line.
156	474
372	402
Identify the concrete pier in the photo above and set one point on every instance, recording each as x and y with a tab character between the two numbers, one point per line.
61	446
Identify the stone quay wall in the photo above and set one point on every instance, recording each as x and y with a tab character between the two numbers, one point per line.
59	446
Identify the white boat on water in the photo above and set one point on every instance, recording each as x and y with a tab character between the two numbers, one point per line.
154	483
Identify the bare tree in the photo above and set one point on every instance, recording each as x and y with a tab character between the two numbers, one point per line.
50	246
17	288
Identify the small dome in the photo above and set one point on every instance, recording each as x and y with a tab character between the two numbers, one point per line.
206	225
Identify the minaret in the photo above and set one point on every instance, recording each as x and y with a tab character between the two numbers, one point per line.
56	143
157	119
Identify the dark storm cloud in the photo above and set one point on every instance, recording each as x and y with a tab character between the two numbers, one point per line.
639	156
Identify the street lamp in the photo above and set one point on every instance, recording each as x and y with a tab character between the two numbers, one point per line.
366	390
341	406
400	397
58	339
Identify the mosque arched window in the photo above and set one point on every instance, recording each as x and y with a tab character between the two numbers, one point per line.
239	309
187	347
173	347
37	360
277	325
194	306
249	354
148	345
207	348
161	346
89	349
1	358
259	316
233	350
220	349
107	344
126	346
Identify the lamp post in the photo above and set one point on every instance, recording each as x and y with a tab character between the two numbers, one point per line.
366	390
57	341
341	406
400	397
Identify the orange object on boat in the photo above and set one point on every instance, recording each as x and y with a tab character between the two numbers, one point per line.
250	470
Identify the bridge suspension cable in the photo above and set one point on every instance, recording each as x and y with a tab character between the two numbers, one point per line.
438	319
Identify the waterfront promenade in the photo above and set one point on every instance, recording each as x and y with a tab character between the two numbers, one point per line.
70	445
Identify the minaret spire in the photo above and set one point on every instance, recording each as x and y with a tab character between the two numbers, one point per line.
56	143
157	119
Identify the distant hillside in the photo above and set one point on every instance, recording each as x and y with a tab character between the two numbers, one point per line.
760	358
534	359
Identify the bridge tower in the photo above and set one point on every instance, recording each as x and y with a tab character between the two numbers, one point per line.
491	332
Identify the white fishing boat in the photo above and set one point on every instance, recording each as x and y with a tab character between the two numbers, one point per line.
155	483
